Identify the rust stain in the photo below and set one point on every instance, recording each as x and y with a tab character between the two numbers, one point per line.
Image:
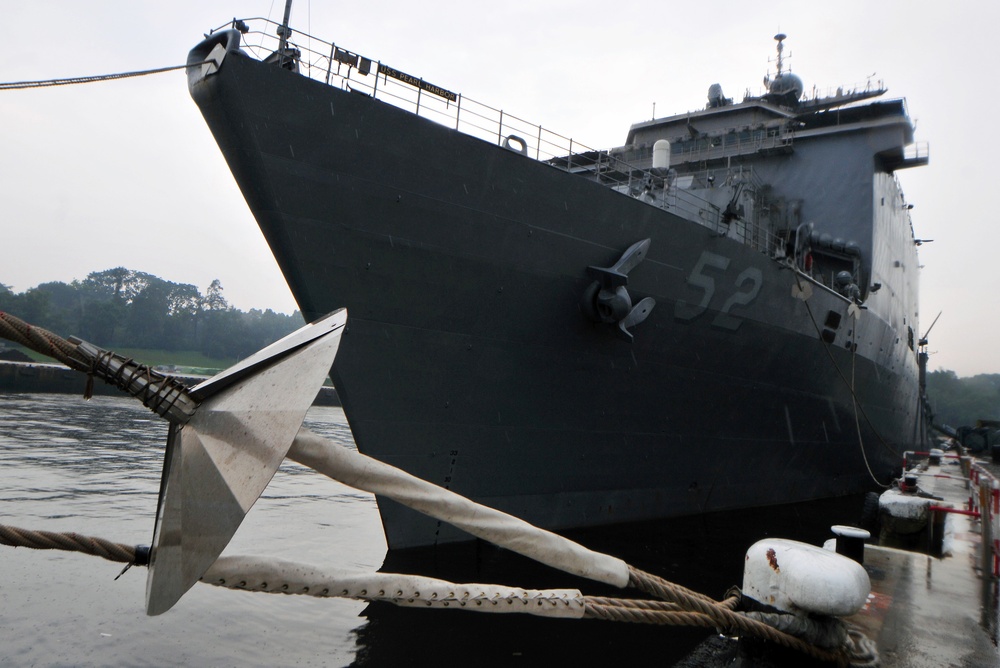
772	559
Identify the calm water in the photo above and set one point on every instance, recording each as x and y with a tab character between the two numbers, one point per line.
93	467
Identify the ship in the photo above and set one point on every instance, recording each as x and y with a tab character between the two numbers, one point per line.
720	313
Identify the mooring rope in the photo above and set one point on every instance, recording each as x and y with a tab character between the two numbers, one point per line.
41	341
682	606
721	615
850	385
164	395
70	542
46	83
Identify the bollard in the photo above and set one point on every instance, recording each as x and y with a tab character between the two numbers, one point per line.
851	541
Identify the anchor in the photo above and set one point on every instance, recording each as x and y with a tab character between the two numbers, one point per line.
606	299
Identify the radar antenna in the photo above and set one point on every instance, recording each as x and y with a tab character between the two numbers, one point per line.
780	38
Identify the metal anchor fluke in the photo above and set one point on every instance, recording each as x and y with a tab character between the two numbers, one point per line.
218	463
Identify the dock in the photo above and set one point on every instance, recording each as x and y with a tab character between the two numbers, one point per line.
938	610
933	570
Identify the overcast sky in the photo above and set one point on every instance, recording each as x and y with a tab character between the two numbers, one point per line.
126	173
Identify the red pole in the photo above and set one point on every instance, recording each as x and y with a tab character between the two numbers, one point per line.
957	511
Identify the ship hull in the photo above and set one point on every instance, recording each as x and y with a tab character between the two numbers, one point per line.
469	362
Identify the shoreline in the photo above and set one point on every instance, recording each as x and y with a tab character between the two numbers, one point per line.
51	378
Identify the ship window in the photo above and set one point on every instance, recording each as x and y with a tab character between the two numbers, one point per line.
832	320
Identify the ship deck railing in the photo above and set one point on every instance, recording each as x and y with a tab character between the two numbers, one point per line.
335	65
721	147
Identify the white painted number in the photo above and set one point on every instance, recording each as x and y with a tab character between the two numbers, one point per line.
751	276
748	284
698	279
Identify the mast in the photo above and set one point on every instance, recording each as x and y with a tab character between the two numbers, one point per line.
284	33
780	37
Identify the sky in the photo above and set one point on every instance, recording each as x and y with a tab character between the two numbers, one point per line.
125	173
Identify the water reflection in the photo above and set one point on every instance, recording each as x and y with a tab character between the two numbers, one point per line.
93	467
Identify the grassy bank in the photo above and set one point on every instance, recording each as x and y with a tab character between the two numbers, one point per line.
155	357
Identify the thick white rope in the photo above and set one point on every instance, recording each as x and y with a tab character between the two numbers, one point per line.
286	577
361	472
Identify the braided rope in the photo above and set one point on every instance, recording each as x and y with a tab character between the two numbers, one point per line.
157	391
41	341
18	85
724	617
71	542
680	607
640	603
641	615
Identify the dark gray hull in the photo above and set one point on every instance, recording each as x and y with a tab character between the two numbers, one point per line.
467	360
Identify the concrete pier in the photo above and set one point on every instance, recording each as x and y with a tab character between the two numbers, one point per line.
930	611
932	605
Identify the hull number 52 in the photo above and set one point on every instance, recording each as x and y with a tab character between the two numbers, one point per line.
746	288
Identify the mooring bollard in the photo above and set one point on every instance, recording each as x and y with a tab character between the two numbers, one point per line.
851	541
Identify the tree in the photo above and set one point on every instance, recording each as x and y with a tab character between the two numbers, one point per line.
123	308
101	321
7	297
148	312
184	299
32	306
214	301
961	401
107	284
65	307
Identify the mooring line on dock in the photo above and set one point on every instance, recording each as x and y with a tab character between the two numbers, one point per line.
371	475
685	607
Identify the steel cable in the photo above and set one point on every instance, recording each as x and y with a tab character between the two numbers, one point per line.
46	83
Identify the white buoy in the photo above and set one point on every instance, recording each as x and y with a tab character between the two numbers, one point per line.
799	578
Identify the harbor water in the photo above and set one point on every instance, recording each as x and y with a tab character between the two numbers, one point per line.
93	467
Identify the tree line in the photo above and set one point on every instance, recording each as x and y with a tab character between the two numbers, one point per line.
124	308
959	402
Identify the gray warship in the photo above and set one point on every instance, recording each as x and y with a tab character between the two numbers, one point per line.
720	313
